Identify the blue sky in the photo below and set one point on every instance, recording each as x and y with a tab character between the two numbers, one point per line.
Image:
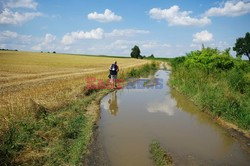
165	28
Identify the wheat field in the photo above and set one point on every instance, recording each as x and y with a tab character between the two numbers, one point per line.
48	79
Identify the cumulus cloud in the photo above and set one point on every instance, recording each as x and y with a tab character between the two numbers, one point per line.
175	17
22	4
125	32
9	17
230	8
46	43
8	36
14	40
69	38
202	37
107	16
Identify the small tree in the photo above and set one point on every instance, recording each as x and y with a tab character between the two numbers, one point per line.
242	46
152	56
54	52
135	52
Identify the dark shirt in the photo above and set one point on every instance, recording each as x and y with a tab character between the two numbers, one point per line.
114	69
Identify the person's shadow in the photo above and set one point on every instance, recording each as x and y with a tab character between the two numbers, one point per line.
113	106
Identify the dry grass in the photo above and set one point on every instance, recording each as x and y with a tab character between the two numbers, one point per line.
49	79
46	112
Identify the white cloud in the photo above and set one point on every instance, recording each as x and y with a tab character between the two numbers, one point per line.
107	16
22	4
155	45
120	45
99	33
69	38
125	32
230	8
46	43
123	47
9	17
8	36
14	40
175	17
203	36
49	38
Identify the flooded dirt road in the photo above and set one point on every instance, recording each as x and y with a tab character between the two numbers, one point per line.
132	118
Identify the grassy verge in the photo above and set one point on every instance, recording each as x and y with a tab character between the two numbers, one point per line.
143	71
216	82
160	157
56	138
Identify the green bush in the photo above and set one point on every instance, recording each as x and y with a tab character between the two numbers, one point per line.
216	82
237	80
210	59
145	70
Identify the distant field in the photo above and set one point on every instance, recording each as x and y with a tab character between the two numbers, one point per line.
47	78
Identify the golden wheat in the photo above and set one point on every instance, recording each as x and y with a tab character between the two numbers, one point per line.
48	79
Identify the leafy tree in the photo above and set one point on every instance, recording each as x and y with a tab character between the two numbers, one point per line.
152	56
242	46
135	52
54	52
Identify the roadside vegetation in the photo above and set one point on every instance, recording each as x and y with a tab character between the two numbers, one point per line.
159	155
216	82
143	71
47	114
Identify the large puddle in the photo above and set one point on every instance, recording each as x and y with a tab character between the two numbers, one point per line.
132	118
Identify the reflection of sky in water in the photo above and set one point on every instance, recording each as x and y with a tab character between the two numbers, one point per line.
167	105
153	83
165	116
104	103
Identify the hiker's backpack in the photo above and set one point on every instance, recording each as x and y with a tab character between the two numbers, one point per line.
113	69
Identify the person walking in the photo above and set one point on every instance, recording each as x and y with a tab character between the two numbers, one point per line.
114	69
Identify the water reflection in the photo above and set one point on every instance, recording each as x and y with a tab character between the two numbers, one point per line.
113	105
203	119
168	117
167	105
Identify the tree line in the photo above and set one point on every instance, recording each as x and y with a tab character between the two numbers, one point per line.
242	47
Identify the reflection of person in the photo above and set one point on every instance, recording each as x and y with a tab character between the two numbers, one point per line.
113	106
113	72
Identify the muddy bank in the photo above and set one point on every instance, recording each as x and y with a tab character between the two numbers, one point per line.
97	155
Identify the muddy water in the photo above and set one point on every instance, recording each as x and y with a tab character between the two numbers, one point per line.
132	118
